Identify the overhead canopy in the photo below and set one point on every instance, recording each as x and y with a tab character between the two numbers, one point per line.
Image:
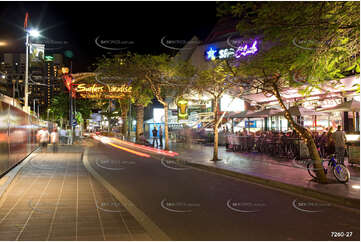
300	111
264	113
349	106
242	114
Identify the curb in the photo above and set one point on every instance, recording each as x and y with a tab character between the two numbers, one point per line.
343	201
154	231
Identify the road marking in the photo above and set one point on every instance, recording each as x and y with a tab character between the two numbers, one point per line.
154	231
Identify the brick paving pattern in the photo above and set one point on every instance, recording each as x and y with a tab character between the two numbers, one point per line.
54	198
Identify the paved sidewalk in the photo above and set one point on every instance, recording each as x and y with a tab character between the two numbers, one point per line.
53	197
264	166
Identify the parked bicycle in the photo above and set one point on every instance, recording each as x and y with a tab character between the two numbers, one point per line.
339	170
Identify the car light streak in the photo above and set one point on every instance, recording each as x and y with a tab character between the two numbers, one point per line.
129	150
106	140
154	150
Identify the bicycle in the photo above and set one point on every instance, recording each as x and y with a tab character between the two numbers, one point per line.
339	170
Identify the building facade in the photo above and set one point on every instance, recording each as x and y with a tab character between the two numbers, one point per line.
44	79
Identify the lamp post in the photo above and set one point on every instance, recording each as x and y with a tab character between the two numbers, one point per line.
34	33
35	106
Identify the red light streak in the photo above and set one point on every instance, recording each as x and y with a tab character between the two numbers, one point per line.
154	150
130	151
99	138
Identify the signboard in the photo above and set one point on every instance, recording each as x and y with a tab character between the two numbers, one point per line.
37	52
354	153
250	124
49	58
243	50
99	91
182	109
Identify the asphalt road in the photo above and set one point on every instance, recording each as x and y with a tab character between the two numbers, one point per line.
190	204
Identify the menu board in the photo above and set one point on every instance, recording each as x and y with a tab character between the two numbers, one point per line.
354	154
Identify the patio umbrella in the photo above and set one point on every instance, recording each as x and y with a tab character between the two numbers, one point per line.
349	106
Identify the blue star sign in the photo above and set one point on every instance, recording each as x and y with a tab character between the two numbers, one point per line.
211	54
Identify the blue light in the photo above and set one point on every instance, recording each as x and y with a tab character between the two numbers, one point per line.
211	54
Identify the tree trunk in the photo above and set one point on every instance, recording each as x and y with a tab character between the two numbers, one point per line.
306	136
216	123
166	145
124	116
139	115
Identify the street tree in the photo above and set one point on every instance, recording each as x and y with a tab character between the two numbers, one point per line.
301	44
163	76
125	70
215	81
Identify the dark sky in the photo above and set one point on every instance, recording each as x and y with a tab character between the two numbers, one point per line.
132	26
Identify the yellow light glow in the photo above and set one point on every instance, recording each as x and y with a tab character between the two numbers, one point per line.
3	43
356	187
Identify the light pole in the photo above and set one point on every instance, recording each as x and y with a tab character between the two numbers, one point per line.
34	105
34	33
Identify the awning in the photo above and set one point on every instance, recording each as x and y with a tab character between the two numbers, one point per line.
242	114
264	113
301	111
349	106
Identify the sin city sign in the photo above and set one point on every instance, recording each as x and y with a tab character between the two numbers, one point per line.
242	50
103	91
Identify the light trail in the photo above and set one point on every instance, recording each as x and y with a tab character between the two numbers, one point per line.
106	140
154	150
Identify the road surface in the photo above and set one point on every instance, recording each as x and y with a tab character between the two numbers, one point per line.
191	204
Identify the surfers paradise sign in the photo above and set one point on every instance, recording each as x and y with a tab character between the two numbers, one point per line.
103	91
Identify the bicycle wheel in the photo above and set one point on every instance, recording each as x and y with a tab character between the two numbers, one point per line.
341	173
311	169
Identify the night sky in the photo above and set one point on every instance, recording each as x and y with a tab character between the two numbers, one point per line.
128	26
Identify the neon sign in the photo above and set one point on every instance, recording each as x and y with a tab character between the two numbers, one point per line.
243	50
103	91
211	54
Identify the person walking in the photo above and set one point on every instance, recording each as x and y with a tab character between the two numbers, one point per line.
43	138
160	136
339	138
155	136
69	134
62	134
54	139
77	134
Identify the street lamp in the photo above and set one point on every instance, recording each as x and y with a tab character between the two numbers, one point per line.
34	33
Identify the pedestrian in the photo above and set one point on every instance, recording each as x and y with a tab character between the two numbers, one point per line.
339	138
69	134
155	136
77	134
54	139
160	136
63	136
43	138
